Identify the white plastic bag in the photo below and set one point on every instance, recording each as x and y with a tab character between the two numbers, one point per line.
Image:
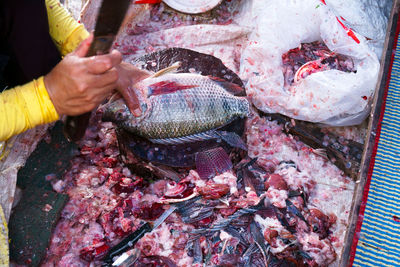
332	97
367	17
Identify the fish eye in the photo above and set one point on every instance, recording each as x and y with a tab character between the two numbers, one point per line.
119	115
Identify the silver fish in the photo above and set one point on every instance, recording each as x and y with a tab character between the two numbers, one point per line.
182	107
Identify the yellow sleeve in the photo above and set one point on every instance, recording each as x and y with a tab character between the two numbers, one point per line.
24	107
65	31
4	252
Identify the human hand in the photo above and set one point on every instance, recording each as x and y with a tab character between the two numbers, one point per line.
78	84
128	75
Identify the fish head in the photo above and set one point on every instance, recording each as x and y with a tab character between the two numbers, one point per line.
116	111
119	113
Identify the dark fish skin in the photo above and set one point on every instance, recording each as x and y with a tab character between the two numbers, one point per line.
180	155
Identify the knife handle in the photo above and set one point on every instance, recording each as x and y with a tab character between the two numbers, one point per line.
127	243
75	126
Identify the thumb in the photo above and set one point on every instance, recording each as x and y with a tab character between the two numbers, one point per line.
83	48
131	100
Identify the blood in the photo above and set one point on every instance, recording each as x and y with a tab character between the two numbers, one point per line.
310	58
349	32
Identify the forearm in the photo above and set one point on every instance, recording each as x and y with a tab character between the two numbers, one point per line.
65	31
25	107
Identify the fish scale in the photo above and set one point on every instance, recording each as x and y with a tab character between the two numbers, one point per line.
182	112
183	120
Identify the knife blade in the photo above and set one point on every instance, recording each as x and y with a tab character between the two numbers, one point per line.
131	240
127	258
109	20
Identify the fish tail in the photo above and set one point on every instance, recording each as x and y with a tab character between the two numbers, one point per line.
212	162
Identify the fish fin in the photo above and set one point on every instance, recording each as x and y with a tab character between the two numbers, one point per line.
231	139
320	152
167	87
173	68
164	171
212	162
294	210
186	139
114	97
281	218
305	255
258	237
232	88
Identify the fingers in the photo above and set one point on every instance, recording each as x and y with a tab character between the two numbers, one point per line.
75	92
129	75
102	63
104	90
108	78
89	101
97	64
98	95
79	84
131	100
83	48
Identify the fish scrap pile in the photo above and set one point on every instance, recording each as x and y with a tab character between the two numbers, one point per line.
310	58
272	211
269	201
263	200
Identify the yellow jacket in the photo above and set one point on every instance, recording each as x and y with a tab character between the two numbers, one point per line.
26	106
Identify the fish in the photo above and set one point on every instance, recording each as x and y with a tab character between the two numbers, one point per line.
184	108
181	108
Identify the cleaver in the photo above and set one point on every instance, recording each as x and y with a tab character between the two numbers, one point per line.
109	20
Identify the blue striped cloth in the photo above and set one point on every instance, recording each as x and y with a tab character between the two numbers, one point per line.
379	243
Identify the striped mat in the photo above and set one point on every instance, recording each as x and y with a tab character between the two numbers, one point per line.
379	238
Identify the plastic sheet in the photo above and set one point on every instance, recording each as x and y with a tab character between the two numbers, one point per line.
332	97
